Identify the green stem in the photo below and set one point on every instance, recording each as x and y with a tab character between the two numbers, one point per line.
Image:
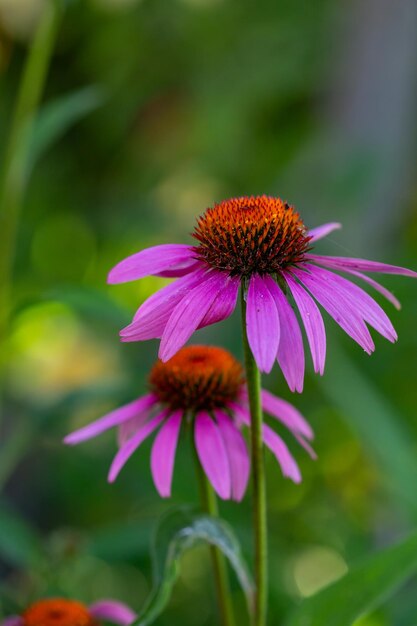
15	172
253	381
209	504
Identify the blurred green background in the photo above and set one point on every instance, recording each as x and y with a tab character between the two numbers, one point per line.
151	111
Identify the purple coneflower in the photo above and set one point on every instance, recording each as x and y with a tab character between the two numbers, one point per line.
202	386
260	242
63	612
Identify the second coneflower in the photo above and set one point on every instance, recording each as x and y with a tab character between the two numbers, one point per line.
202	387
262	243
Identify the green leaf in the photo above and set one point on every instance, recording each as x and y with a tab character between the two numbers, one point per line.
55	118
362	590
179	531
19	543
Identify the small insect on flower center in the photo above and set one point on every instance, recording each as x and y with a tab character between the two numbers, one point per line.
197	377
258	234
57	612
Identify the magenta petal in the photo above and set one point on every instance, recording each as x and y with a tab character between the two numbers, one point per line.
286	413
151	261
212	454
313	323
13	620
224	305
189	313
340	262
279	449
181	269
112	611
338	308
322	231
127	429
385	292
152	316
358	299
133	444
262	323
291	350
115	418
237	454
163	454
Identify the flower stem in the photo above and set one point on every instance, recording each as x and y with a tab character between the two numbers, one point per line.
253	381
209	505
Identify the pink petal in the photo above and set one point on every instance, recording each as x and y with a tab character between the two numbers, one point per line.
189	313
212	454
291	350
387	294
338	308
224	305
182	269
152	316
275	444
127	429
133	444
115	418
279	449
262	323
163	454
237	454
286	413
13	620
340	262
313	323
322	231
151	261
112	611
359	300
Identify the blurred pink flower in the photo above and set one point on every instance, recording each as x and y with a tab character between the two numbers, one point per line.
262	242
63	612
201	386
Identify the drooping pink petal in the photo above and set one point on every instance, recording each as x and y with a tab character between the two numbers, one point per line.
127	429
224	305
133	444
322	231
189	313
340	262
112	611
237	454
182	269
115	418
13	620
262	323
385	292
163	454
152	316
284	457
212	454
313	323
274	443
358	299
286	413
291	350
151	261
338	308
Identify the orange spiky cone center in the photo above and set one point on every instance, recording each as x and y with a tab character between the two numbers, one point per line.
197	377
57	612
248	235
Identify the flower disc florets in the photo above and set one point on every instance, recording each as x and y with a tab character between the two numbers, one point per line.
197	377
244	236
57	612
